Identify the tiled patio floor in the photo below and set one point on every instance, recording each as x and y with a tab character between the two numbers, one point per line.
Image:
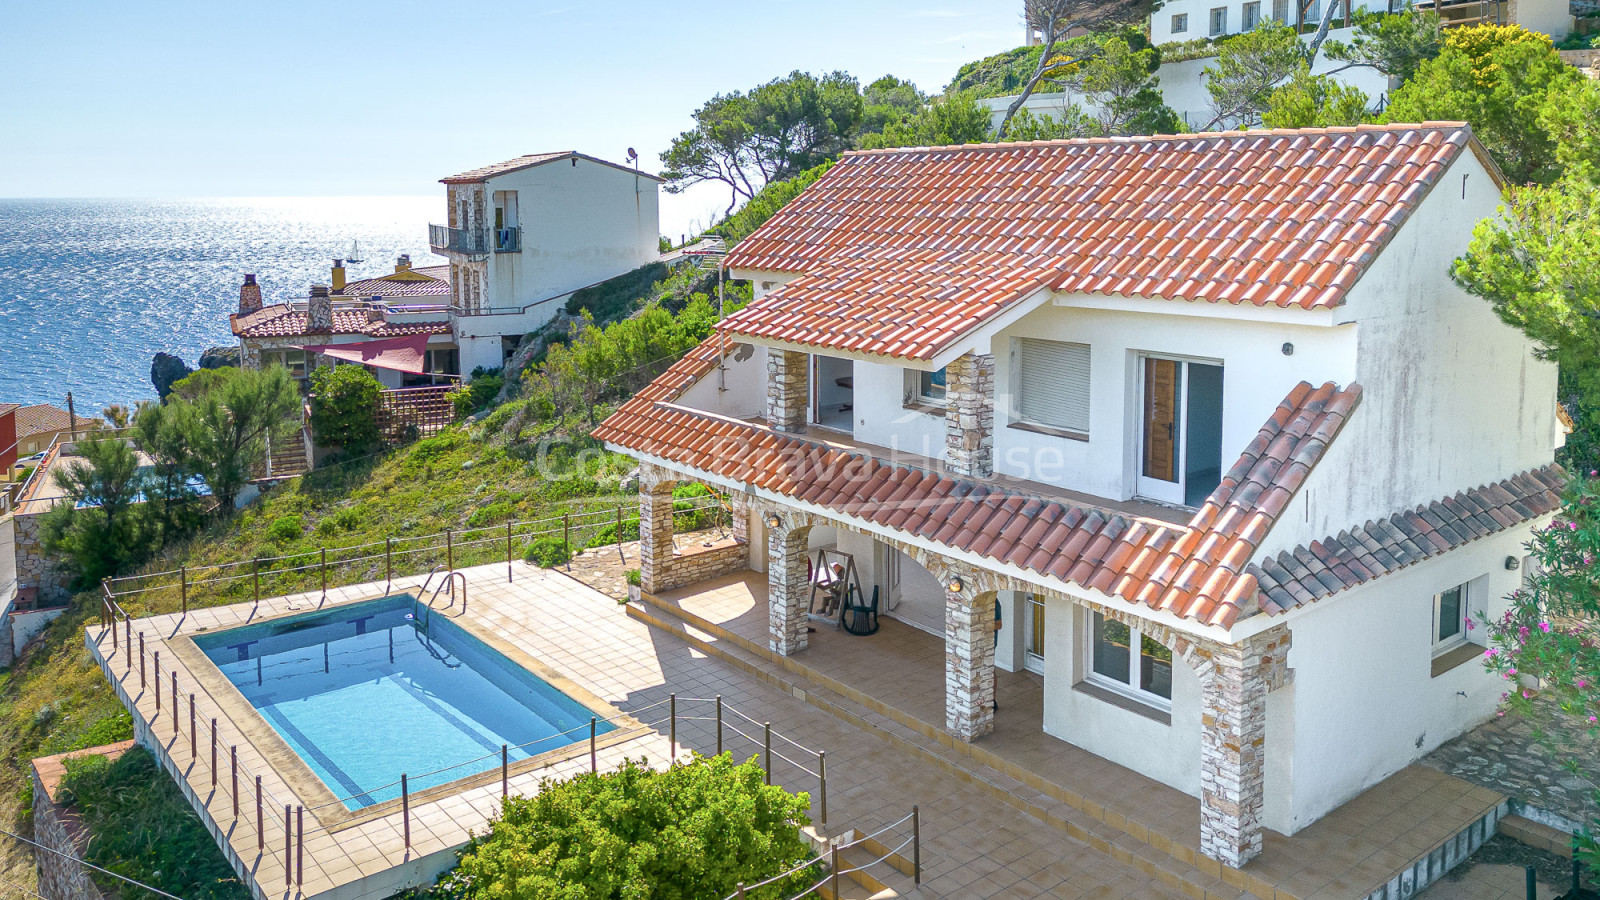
1347	853
974	845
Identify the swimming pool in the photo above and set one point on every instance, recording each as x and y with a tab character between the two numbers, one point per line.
371	690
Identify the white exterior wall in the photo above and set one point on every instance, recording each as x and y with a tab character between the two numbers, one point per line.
1168	753
1452	398
741	391
1256	378
882	418
1551	17
1364	702
582	222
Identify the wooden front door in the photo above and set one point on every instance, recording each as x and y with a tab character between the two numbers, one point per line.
1161	403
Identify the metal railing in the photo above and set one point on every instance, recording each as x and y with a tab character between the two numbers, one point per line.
508	240
117	624
457	240
837	870
174	590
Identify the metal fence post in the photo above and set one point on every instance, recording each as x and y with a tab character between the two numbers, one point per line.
213	754
388	564
740	891
505	771
508	553
288	846
916	847
233	774
619	535
1530	882
833	870
141	660
191	729
672	731
566	533
255	581
822	778
323	567
158	681
261	819
183	587
766	748
449	551
594	759
174	704
300	845
719	724
127	633
405	807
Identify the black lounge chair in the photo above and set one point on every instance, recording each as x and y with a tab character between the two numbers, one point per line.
857	618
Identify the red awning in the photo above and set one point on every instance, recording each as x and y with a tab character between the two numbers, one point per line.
402	354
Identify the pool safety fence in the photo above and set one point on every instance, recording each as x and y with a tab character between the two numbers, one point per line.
731	725
393	558
837	868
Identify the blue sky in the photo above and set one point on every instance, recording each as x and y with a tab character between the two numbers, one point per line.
164	99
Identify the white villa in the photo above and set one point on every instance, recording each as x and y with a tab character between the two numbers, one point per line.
1201	421
520	237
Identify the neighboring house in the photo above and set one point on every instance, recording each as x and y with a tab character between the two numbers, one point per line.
8	439
1183	82
1205	415
521	237
39	425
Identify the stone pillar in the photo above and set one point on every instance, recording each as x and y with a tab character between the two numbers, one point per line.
968	662
788	379
969	416
319	310
1233	750
655	535
788	591
741	518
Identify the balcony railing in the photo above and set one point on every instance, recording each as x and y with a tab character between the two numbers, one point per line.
443	238
508	240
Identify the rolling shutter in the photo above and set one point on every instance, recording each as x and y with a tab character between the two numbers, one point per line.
1053	384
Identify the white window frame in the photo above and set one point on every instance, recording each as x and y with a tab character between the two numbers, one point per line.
1033	633
1180	23
1217	21
1020	391
1246	22
1464	611
920	390
1130	688
1280	11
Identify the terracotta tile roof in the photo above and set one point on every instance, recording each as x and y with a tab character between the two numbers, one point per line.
436	282
8	407
283	320
1196	571
41	418
1306	574
901	252
484	173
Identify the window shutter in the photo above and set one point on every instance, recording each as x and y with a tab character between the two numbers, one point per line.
1053	384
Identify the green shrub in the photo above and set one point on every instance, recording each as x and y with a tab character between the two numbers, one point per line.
493	514
547	552
690	832
344	408
616	297
144	829
691	489
634	577
608	534
477	393
285	529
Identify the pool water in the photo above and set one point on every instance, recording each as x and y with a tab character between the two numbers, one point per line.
368	691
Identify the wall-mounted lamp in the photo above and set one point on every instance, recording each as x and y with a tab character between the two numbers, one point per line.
1513	564
955	585
1288	349
773	521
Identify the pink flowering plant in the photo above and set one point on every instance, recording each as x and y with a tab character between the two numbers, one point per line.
1547	644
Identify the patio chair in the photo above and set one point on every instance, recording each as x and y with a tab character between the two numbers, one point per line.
857	618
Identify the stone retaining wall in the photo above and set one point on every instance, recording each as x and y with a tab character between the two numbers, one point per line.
700	563
60	829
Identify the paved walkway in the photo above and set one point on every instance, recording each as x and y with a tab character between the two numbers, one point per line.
1507	755
974	845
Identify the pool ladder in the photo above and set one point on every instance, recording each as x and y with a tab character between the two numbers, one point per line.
447	586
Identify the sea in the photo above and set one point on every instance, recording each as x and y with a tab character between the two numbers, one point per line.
91	290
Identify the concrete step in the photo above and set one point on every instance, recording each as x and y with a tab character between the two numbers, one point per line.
1121	845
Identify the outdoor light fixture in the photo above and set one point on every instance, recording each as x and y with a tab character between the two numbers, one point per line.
773	521
1513	564
1288	349
955	585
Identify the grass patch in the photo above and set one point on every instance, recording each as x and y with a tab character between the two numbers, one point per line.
145	830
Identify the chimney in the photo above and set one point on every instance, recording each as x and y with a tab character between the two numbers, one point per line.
249	295
403	264
338	276
319	310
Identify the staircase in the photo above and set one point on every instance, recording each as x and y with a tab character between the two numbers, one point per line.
287	458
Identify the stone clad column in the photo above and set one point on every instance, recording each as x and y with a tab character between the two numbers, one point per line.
1233	745
787	588
969	416
787	381
655	534
968	661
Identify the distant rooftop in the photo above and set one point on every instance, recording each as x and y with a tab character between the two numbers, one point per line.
41	418
484	173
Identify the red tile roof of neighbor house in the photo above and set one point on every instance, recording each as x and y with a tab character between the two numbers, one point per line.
435	281
902	252
286	321
484	173
1196	571
41	418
